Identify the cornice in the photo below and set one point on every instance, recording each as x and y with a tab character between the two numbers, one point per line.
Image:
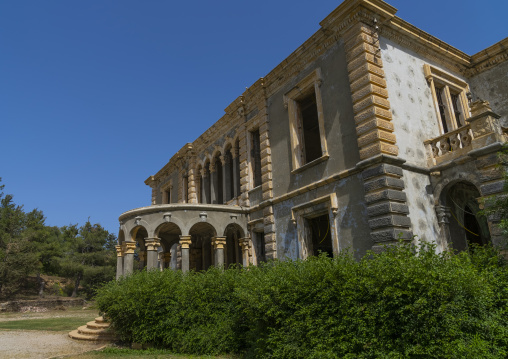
488	58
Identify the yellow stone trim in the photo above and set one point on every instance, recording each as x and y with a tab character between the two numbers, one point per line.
129	247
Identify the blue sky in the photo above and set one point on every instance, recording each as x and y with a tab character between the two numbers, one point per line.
97	95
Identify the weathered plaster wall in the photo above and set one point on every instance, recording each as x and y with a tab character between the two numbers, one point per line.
420	201
351	220
338	121
492	85
414	116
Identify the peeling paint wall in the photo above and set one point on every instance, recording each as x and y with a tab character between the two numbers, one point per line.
420	201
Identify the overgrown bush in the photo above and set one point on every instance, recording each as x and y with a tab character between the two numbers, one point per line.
401	303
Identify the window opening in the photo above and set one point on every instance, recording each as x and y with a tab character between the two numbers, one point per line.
441	106
168	196
309	128
456	111
256	157
321	235
260	247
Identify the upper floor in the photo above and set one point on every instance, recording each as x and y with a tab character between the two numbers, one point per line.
366	83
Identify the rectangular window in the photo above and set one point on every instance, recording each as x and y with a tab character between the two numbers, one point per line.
168	196
309	128
450	98
256	157
306	121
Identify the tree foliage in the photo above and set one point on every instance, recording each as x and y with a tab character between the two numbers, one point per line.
29	247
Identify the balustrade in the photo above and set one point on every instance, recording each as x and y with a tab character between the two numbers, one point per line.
451	142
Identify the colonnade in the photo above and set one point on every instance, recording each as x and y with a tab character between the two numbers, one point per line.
220	182
125	254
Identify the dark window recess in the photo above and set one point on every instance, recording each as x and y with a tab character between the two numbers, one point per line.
321	236
260	247
309	130
441	106
256	157
168	196
186	189
455	99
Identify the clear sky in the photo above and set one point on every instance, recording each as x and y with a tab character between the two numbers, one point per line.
95	96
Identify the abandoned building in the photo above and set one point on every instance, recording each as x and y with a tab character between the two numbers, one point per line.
371	131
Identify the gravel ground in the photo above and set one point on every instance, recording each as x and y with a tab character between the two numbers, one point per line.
17	344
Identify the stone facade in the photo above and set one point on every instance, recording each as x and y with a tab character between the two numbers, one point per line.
370	132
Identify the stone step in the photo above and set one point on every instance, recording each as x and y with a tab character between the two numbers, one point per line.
92	338
100	320
89	331
95	325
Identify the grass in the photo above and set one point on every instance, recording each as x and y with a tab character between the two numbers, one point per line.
53	324
113	353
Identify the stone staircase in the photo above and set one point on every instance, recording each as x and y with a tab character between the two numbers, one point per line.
95	331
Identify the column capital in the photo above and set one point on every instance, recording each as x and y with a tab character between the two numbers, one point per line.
443	214
244	242
185	241
152	243
129	247
119	251
223	160
219	242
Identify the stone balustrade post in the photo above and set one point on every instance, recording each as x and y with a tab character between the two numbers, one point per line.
485	125
185	242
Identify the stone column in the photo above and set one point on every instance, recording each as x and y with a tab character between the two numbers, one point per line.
213	184
224	187
204	195
185	242
152	244
219	244
167	259
128	259
119	261
245	243
443	218
161	261
236	180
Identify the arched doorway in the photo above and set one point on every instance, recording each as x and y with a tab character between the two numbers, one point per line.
467	226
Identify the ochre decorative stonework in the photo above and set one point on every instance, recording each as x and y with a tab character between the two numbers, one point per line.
370	99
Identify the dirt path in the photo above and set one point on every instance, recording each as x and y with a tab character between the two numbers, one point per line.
17	344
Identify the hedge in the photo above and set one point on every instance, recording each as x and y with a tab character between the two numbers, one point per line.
405	302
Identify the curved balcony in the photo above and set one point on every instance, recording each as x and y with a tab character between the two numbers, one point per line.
182	236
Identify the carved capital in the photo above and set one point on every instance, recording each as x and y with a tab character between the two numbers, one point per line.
219	242
443	214
152	243
185	242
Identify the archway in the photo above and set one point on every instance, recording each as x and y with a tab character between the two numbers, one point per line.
466	225
138	235
201	251
233	251
169	235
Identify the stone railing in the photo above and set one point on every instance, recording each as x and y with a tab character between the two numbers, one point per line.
454	142
482	129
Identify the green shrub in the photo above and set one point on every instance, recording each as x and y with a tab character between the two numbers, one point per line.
401	303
